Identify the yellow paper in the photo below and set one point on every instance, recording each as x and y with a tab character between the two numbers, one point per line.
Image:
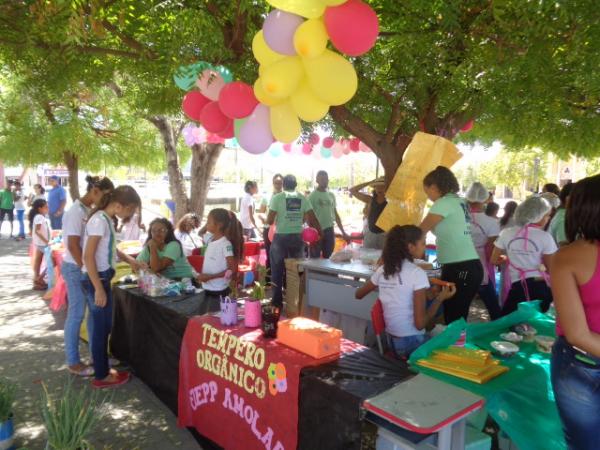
406	198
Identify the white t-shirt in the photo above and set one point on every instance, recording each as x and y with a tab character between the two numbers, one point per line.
44	230
483	227
74	225
246	203
19	201
215	261
396	295
189	241
100	224
539	242
130	231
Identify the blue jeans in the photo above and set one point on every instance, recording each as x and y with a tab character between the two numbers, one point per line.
577	392
75	313
101	322
21	219
490	299
404	346
325	246
56	222
283	246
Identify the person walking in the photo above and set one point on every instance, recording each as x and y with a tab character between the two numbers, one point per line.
374	236
19	197
263	211
7	206
324	206
57	199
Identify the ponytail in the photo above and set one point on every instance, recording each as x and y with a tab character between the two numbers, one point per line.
232	229
124	195
395	249
102	183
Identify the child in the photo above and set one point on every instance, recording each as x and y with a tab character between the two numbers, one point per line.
131	228
40	231
99	252
222	256
527	247
402	289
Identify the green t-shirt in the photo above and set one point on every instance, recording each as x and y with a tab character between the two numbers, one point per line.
6	199
557	226
290	208
179	269
453	233
323	204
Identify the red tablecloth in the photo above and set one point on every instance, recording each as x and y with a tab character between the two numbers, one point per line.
237	388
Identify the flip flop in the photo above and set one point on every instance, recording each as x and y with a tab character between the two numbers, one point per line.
87	371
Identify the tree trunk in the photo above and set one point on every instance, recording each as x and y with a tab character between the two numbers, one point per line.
204	160
170	135
72	163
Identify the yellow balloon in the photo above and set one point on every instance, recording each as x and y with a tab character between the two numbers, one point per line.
333	2
311	38
307	105
280	79
285	124
262	96
331	77
311	9
262	52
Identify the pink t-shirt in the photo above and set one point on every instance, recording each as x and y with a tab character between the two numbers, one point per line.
590	298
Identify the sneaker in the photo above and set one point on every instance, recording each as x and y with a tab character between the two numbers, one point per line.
119	379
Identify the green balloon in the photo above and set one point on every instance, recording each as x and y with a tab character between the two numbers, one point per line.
237	125
185	76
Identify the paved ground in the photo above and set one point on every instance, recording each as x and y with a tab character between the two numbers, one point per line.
31	352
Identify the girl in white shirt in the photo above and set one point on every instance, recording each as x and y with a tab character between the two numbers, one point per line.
222	256
402	289
99	259
526	247
40	232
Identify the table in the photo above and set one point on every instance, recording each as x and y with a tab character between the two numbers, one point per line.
147	334
426	406
331	286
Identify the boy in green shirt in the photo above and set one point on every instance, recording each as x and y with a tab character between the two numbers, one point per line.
323	203
7	205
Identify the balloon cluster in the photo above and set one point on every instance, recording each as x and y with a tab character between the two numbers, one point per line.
327	147
299	77
193	135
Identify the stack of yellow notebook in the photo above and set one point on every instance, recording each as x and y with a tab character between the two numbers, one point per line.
473	365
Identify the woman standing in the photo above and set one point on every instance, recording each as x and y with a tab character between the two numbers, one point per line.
374	237
247	210
450	221
507	220
20	209
575	365
39	193
73	232
264	209
186	233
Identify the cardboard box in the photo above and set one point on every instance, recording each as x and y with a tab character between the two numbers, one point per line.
294	290
308	336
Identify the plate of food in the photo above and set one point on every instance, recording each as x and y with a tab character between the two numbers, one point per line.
504	348
544	343
511	336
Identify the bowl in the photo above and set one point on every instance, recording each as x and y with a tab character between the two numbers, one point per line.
544	343
504	348
511	336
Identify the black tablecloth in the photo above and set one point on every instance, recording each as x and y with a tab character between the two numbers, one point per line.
147	334
331	396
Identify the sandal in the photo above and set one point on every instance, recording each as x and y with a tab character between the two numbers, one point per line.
87	371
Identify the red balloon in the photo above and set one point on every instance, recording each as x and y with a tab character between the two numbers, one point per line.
468	126
328	142
354	144
237	100
287	147
310	235
307	148
352	27
228	132
314	139
193	103
213	119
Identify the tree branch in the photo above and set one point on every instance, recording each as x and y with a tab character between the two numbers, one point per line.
356	126
128	40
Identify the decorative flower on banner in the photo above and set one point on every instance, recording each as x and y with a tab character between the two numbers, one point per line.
277	378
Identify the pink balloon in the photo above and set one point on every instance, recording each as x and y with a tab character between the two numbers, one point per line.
255	134
193	103
468	126
237	100
287	148
314	139
210	84
354	144
337	150
213	138
328	142
213	119
278	30
352	27
228	132
307	148
310	235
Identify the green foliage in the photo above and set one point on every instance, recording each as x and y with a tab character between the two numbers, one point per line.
70	419
8	391
259	288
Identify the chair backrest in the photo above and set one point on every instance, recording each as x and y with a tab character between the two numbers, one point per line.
377	318
251	248
196	261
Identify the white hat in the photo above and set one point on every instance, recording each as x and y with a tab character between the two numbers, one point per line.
532	210
552	198
477	193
